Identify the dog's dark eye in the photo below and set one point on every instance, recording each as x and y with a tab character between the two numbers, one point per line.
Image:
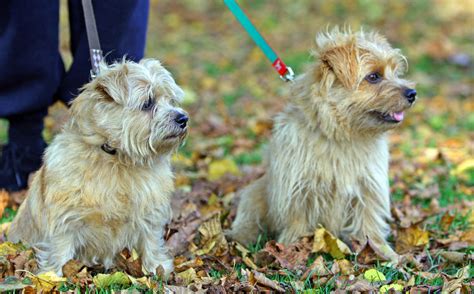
374	78
148	105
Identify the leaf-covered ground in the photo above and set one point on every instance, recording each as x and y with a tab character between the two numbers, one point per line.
232	95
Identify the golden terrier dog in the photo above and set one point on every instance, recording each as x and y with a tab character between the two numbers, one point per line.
106	181
328	156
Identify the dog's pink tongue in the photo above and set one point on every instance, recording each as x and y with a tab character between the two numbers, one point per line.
399	115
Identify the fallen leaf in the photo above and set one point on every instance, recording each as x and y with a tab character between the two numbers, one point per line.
360	286
213	240
179	241
343	267
411	238
292	257
453	285
105	280
187	276
194	263
170	289
72	268
143	281
317	268
9	248
325	242
395	287
46	281
454	257
4	199
248	262
446	221
370	253
24	261
219	168
130	263
468	236
263	280
373	275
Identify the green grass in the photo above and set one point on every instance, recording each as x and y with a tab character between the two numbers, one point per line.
448	187
253	157
262	239
3	131
238	270
8	215
216	274
460	223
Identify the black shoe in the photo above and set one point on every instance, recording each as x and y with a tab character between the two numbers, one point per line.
16	164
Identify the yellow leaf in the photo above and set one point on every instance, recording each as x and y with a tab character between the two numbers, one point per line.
106	280
319	245
4	199
8	248
325	242
135	255
213	240
463	167
46	281
140	281
346	267
373	275
187	276
411	237
219	168
396	287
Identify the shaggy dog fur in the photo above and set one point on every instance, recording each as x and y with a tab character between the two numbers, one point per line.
88	204
328	157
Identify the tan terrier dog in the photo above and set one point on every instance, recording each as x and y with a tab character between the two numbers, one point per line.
106	181
328	158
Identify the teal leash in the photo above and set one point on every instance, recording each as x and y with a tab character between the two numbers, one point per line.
286	73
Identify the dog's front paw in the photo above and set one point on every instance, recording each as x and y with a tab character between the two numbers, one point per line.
154	266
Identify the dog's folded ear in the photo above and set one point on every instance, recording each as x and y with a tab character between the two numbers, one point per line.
338	59
112	83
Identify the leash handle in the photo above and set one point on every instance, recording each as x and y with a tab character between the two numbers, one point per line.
92	37
286	73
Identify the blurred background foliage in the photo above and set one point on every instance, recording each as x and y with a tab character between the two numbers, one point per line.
232	93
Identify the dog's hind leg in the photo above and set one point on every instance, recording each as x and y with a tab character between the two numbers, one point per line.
27	224
251	213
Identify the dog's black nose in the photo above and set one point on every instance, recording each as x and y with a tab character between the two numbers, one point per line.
181	119
410	94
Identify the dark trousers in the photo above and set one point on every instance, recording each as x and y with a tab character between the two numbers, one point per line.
32	73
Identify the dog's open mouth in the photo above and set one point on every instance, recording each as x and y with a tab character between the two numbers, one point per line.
390	117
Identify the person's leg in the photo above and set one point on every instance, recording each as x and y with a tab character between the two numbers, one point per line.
30	72
122	29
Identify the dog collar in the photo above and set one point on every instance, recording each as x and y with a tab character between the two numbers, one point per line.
107	149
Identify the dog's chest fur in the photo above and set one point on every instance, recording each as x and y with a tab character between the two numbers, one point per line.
117	206
323	181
